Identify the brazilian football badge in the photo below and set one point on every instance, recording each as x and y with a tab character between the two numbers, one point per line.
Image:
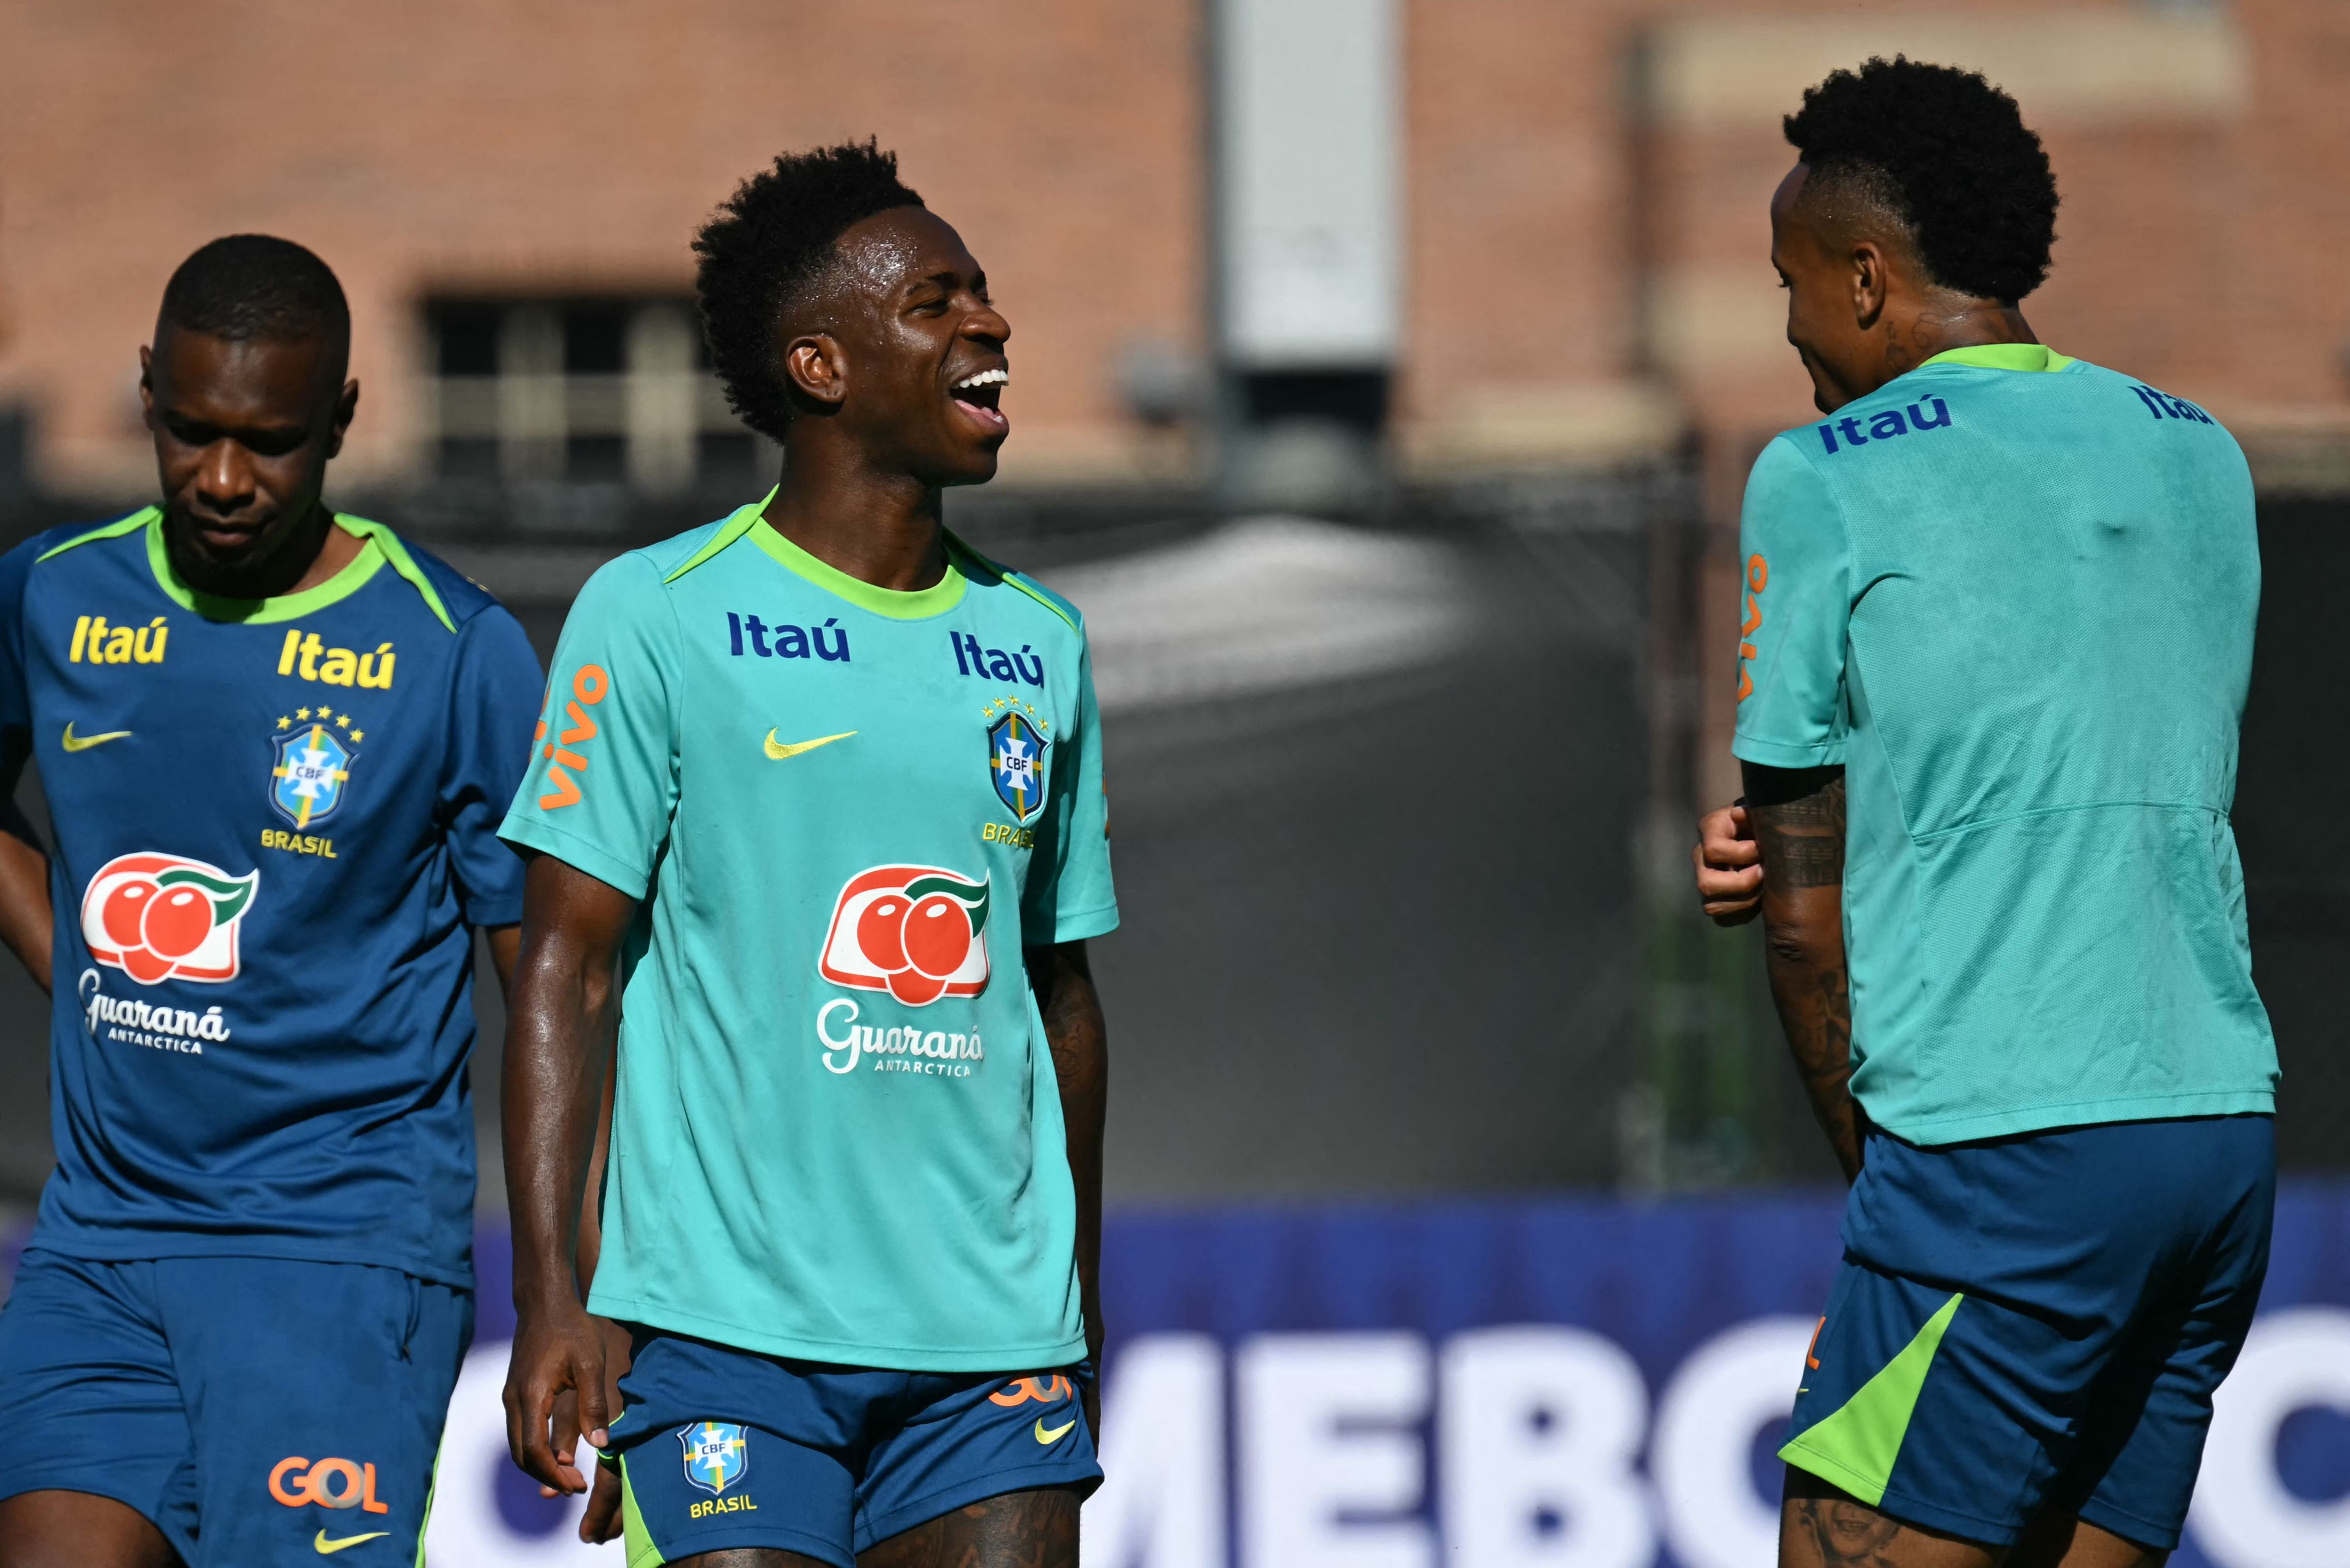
1017	743
716	1455
313	765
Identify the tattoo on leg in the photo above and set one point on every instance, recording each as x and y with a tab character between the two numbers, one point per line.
1847	1534
1035	1528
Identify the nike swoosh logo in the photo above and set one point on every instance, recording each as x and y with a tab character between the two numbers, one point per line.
83	742
1055	1435
329	1548
777	750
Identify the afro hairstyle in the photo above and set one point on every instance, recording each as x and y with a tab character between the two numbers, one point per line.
1948	154
248	287
764	249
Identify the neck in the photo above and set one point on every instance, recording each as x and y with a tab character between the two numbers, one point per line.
315	551
1943	322
879	527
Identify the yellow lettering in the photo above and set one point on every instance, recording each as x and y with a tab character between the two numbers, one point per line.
120	647
377	676
341	666
293	646
310	649
81	640
151	652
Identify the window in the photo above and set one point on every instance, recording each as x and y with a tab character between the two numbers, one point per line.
582	390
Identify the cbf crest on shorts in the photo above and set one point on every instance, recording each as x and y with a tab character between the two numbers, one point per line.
716	1455
1015	761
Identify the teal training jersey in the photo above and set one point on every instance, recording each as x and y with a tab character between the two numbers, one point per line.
838	1132
2013	595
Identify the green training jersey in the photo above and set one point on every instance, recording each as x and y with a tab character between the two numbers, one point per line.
838	1133
2013	595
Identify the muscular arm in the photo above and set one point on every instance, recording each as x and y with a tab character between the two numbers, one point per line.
1798	820
1063	979
558	1030
27	924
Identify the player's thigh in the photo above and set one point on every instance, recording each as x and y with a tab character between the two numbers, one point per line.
317	1394
2059	1540
52	1529
93	1429
1822	1526
1036	1528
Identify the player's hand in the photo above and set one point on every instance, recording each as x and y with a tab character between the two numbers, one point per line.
1729	866
556	1349
566	1423
602	1522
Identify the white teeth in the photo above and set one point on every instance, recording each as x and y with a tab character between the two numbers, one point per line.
986	379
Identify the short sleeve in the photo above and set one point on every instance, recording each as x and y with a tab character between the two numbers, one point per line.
1794	607
602	786
1069	897
493	700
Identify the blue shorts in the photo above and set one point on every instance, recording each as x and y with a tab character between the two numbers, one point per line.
258	1410
2037	1323
722	1449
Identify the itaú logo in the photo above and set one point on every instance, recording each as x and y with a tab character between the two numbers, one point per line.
330	1483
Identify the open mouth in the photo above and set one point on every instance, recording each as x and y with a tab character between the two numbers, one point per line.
980	397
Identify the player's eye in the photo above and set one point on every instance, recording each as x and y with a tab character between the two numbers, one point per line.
272	444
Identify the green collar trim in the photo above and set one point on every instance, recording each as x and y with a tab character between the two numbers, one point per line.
898	603
378	547
2004	357
957	551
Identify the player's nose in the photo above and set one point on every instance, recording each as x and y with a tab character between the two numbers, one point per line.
225	477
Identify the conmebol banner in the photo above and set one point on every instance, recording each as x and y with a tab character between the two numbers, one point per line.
1536	1384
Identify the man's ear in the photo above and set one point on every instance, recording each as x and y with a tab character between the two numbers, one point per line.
816	367
146	385
346	406
1868	283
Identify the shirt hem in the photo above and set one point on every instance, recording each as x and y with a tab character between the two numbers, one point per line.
530	833
137	1246
1931	1131
1773	754
840	1352
1086	924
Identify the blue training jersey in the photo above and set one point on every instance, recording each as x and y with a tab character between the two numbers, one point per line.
275	821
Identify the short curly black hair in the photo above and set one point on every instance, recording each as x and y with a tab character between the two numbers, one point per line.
256	286
767	245
1950	156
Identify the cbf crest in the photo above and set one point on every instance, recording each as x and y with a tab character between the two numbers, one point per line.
314	764
1016	744
716	1455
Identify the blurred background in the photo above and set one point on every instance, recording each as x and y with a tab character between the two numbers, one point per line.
1385	374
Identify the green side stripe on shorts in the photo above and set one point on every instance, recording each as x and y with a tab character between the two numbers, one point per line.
636	1539
431	1489
1855	1446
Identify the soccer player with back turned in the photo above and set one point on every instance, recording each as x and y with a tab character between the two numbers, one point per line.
275	742
824	787
1997	631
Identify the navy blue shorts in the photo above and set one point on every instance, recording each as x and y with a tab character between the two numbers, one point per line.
2037	1323
259	1411
722	1449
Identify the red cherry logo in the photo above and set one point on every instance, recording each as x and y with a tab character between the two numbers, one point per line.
937	936
177	923
914	988
881	933
123	908
144	967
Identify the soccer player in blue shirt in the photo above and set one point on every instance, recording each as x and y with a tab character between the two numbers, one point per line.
1997	631
824	787
275	741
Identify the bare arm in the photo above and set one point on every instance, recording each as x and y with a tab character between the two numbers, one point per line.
564	1002
1797	817
1063	979
27	924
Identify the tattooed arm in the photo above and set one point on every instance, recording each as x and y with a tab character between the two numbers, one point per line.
1798	820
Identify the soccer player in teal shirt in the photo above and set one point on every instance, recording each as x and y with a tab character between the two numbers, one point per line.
823	785
1997	630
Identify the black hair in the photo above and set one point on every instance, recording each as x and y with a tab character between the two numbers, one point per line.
765	250
1948	156
249	286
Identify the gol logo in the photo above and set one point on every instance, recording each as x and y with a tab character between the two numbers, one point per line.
1044	1390
911	930
163	917
329	1483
